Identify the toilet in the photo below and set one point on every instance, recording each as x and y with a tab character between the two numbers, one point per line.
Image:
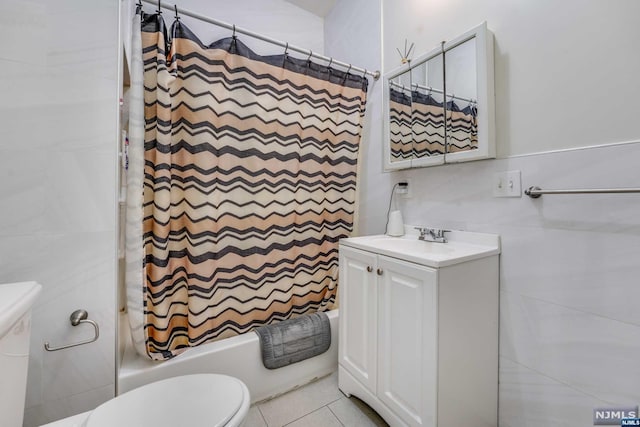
190	400
16	300
201	400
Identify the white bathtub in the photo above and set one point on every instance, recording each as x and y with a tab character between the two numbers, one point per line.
237	356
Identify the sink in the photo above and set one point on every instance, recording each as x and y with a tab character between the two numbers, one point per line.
412	245
461	246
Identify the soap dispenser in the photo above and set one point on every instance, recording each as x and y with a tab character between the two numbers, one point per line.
396	225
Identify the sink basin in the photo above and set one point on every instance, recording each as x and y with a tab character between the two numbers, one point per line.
461	246
412	245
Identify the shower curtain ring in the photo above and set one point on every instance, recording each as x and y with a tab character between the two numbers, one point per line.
234	31
349	69
175	7
330	62
159	7
364	75
284	57
310	54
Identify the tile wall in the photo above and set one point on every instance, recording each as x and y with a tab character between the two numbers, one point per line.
58	173
58	80
569	324
570	265
352	34
570	328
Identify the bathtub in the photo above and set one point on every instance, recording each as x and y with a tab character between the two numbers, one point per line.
239	357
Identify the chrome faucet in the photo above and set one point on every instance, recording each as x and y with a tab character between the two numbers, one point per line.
432	234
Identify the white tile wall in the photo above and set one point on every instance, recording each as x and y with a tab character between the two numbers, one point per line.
570	324
569	274
58	110
569	266
277	19
352	34
530	399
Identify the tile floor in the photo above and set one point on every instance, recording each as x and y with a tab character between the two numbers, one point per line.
318	404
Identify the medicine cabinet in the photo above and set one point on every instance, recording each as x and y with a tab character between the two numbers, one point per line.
439	108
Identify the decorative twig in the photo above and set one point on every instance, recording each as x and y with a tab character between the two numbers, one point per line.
405	58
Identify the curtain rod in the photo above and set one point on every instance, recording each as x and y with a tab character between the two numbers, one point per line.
287	46
430	89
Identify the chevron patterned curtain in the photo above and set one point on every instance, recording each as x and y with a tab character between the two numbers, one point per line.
427	124
400	125
249	183
462	126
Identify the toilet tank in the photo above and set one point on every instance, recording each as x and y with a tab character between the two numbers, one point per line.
16	300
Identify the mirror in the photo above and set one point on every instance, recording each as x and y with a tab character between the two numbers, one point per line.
399	119
450	104
461	109
427	113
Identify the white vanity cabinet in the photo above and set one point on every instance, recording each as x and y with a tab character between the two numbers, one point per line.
418	341
358	333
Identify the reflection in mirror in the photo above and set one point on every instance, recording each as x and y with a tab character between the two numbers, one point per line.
427	110
440	108
462	93
400	118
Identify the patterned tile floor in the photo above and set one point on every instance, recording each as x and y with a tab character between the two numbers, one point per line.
318	404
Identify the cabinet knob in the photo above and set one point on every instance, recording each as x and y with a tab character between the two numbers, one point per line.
379	271
369	268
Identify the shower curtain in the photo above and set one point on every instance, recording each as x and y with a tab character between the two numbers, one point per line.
249	183
462	127
427	124
400	125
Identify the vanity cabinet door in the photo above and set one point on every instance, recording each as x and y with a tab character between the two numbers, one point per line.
407	340
358	305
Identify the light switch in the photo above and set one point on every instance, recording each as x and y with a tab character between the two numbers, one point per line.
507	184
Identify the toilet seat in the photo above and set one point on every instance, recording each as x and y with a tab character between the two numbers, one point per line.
190	400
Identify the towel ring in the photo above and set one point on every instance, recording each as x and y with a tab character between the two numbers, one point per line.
77	317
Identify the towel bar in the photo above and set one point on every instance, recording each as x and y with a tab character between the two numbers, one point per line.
535	192
77	317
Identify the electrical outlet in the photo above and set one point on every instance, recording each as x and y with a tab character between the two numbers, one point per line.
507	184
409	192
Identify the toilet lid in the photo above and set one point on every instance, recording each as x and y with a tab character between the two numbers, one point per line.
190	400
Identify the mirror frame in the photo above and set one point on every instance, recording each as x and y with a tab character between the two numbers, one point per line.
485	101
485	94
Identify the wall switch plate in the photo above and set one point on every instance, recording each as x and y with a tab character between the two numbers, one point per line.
507	184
